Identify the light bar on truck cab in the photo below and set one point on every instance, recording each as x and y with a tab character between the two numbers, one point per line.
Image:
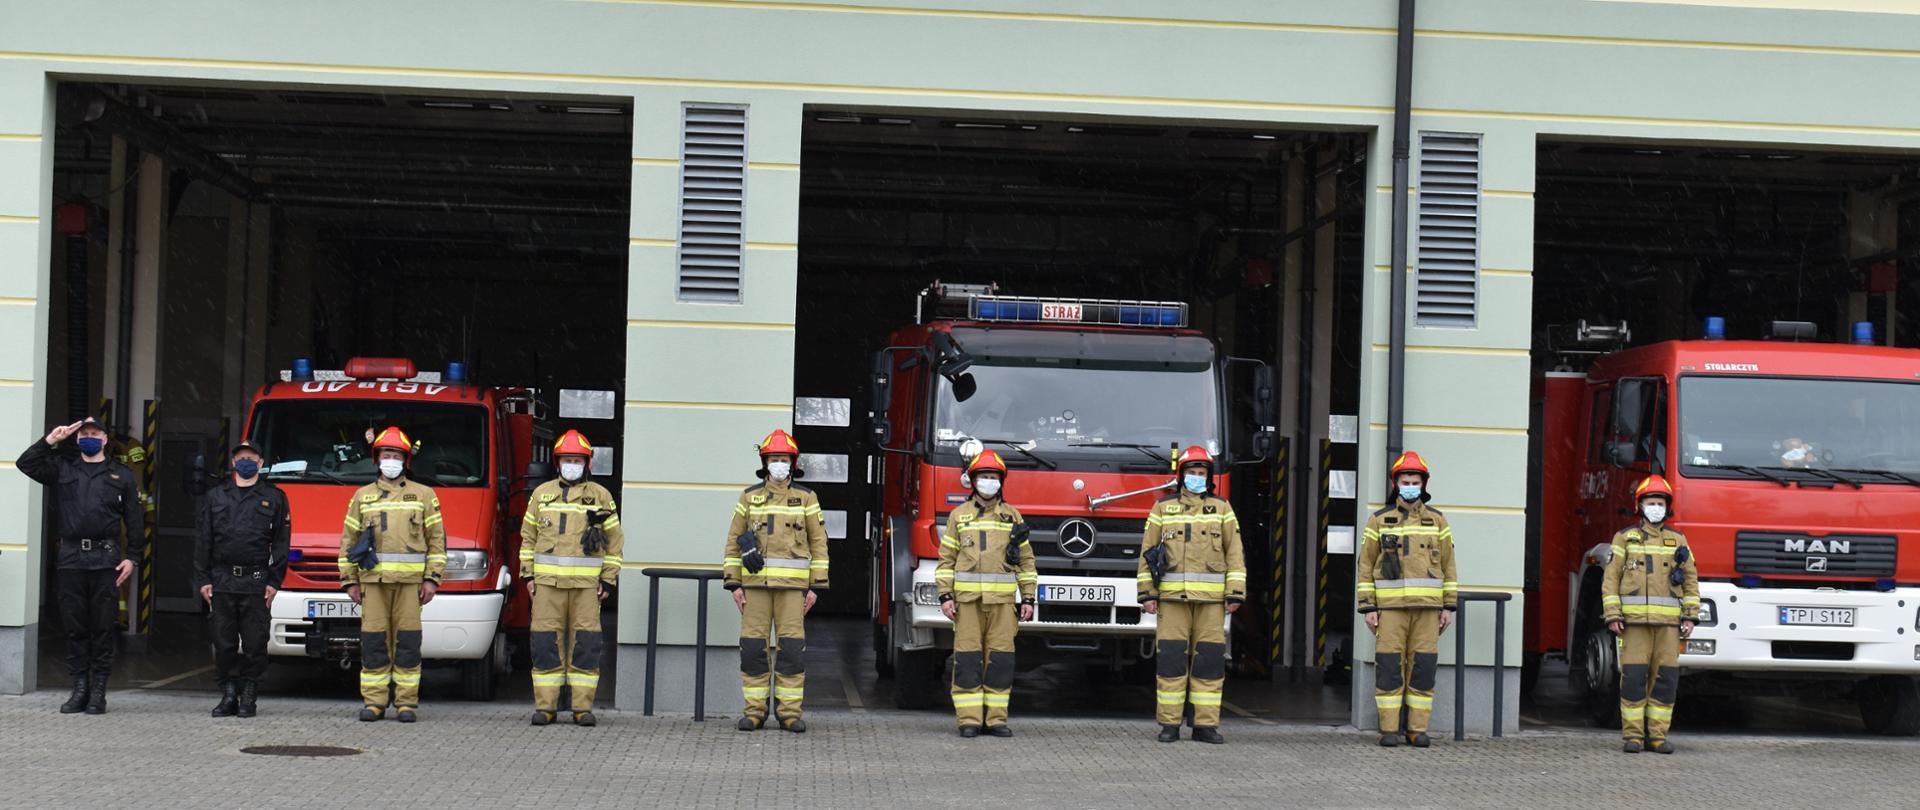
370	368
1077	310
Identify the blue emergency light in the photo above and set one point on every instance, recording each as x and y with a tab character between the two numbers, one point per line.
456	372
1078	310
302	370
1716	328
1863	333
294	555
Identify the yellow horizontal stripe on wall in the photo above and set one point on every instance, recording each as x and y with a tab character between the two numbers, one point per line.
27	137
20	218
640	241
773	167
643	161
14	547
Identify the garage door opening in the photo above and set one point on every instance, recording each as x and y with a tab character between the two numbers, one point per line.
1144	250
1714	246
215	238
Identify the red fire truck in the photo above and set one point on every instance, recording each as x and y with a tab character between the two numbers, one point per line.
1086	400
1796	467
314	429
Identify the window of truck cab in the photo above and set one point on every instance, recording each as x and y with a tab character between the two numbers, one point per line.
1785	425
325	440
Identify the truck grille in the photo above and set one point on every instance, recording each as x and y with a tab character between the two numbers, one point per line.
1116	546
1087	614
1789	553
317	569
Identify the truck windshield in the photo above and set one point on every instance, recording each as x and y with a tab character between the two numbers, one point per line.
1776	424
1074	410
326	441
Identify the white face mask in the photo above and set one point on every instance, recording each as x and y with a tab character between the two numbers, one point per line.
392	467
779	470
988	487
1655	512
572	470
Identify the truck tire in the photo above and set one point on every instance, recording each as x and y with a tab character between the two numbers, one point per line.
882	651
916	678
1596	678
1890	705
480	677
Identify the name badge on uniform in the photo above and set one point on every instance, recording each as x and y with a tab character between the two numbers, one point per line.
588	501
370	497
546	497
410	497
1426	521
793	501
114	476
266	504
1171	508
1671	542
1390	521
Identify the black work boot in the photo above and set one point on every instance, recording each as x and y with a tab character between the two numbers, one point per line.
969	732
1420	740
405	715
796	725
1660	746
1208	734
1630	747
587	719
77	700
1389	739
542	718
229	697
249	698
369	714
749	723
1168	733
97	695
1000	730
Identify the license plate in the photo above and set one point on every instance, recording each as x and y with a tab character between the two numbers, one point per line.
332	609
1821	617
1077	594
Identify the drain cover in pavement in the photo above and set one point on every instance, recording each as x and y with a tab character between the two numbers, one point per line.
300	750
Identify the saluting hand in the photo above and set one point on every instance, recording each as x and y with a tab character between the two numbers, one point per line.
60	433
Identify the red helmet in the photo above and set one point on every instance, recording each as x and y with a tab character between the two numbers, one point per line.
1653	486
571	443
987	461
393	439
1410	462
1194	455
778	442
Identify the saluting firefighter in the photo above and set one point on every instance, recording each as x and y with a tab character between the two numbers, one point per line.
393	552
570	557
95	499
1408	593
239	561
1651	599
776	557
1192	574
986	567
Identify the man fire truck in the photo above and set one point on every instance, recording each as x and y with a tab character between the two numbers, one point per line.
1796	468
1087	400
315	430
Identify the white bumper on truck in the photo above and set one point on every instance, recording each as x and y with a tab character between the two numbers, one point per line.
1750	632
453	625
1080	619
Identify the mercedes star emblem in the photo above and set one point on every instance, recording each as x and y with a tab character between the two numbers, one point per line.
1076	537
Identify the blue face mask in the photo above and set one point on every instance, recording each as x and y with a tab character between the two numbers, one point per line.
246	467
1195	484
90	445
1410	494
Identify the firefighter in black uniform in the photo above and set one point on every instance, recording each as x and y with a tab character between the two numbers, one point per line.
96	499
239	561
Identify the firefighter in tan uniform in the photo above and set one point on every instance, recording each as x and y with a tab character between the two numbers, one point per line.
987	585
1651	599
776	558
1192	573
393	552
1407	590
570	558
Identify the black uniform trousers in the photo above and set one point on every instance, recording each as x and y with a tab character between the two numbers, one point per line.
240	635
89	606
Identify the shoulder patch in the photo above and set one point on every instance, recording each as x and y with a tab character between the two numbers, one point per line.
1172	508
759	497
370	497
1210	509
546	497
1631	534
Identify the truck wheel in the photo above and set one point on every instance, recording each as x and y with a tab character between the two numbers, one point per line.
916	678
882	651
1890	705
480	677
1596	678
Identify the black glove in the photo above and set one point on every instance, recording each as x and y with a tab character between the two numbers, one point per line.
611	589
1157	560
1679	574
1016	539
594	542
361	554
750	556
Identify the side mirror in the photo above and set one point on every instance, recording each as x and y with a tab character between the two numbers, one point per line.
1263	398
880	399
1620	454
881	431
964	387
1262	446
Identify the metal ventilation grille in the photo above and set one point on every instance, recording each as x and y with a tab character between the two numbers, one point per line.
713	177
1447	287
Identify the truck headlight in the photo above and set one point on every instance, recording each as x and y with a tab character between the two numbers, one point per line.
924	593
1706	613
464	565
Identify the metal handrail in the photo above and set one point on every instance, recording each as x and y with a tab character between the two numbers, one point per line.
703	576
1499	600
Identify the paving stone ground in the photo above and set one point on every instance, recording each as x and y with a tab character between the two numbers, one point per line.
157	749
